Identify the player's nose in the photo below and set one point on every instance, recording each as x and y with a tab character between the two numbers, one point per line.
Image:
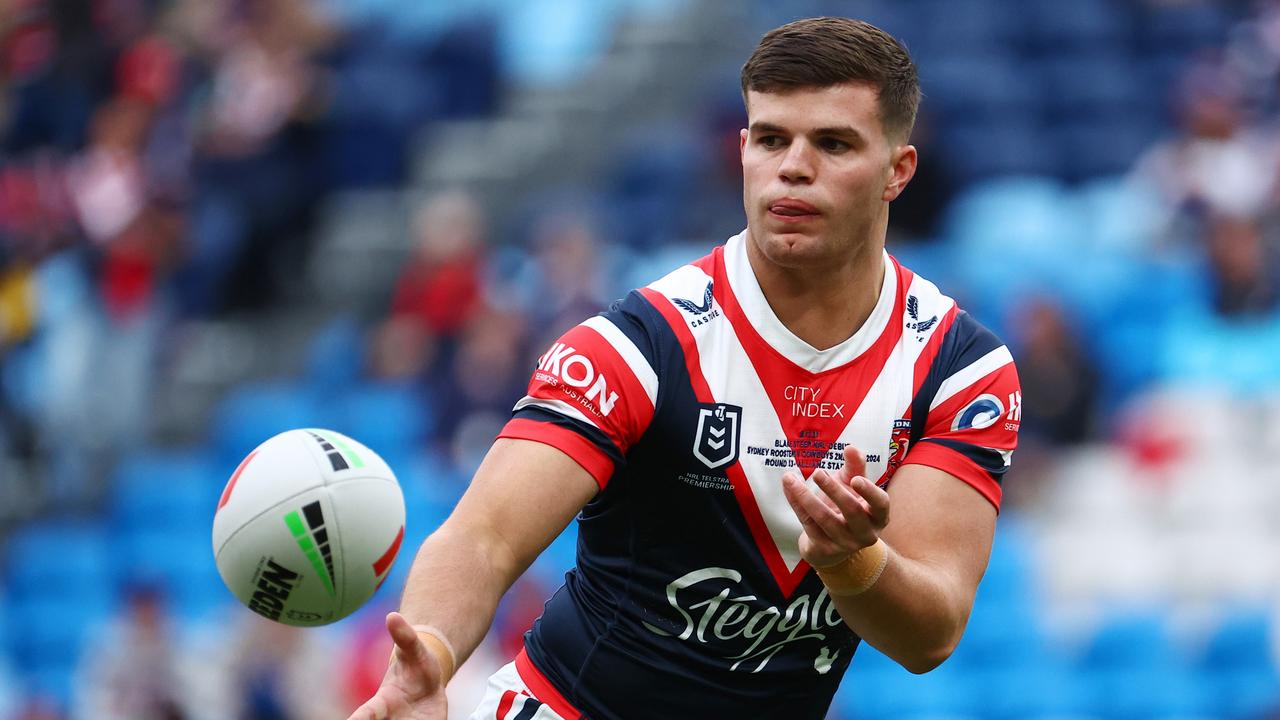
797	163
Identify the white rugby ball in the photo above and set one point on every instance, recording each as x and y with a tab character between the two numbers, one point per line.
308	527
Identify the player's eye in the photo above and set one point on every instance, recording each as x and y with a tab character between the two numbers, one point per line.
770	141
831	144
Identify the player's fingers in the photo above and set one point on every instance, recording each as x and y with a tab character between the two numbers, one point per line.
876	498
794	490
849	503
855	463
374	709
791	487
827	520
823	496
858	528
409	646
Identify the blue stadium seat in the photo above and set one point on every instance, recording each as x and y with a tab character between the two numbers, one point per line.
1242	641
179	564
1134	317
162	512
1185	26
1101	145
549	43
1028	691
979	151
58	558
55	632
1001	632
1243	694
652	174
1006	91
438	480
928	258
764	15
393	420
252	413
1138	671
9	691
1203	349
166	490
968	26
1053	26
654	8
1161	72
335	354
1130	640
381	96
1011	236
1123	215
1149	691
1089	85
419	20
6	631
54	684
877	687
898	19
1238	665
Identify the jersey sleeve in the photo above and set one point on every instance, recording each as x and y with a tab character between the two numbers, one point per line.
593	393
972	405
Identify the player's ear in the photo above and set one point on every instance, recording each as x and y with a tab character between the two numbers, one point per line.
742	143
902	168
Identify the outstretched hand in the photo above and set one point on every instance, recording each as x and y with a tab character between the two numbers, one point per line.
413	688
848	514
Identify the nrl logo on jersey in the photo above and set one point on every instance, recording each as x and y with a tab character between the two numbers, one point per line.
715	442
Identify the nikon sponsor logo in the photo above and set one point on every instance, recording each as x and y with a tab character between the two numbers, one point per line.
275	582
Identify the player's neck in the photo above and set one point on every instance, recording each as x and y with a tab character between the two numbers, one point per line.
823	307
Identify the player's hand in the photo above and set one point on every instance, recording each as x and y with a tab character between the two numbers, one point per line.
847	514
412	688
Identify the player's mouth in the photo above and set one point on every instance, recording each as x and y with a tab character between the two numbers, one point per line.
791	210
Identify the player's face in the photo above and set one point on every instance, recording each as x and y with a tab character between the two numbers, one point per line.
818	173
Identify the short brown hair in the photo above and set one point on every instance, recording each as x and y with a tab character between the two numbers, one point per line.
825	51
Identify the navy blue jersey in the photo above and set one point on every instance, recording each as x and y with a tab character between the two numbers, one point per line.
687	401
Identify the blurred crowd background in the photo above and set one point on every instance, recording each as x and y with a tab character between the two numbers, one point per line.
220	219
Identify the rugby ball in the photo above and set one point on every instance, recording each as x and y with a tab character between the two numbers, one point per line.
308	527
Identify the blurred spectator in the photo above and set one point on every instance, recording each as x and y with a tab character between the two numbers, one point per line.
116	205
278	672
569	280
255	156
36	217
1217	164
8	691
438	294
1059	380
37	708
1243	268
483	380
132	672
440	287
